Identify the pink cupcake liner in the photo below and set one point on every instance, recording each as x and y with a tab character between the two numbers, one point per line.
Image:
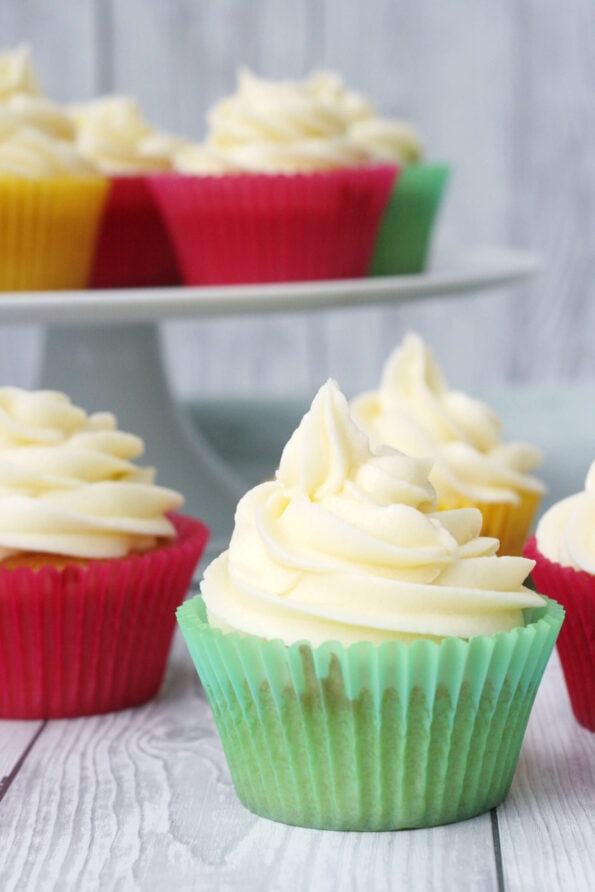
92	638
247	228
134	248
575	590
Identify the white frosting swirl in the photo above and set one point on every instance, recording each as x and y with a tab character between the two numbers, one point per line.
68	485
28	152
415	411
345	544
285	127
566	532
17	74
40	113
113	133
385	139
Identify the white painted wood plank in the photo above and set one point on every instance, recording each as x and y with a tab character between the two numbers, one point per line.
554	185
547	824
15	737
143	800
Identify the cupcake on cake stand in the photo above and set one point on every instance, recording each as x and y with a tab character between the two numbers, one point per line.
103	348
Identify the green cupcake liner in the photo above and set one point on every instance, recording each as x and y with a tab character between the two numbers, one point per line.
403	239
371	737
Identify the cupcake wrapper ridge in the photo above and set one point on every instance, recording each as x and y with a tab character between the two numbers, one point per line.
575	590
134	248
405	232
247	228
93	638
49	231
367	737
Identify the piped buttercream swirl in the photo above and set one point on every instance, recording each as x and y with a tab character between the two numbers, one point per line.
113	134
295	126
415	410
68	483
566	532
346	543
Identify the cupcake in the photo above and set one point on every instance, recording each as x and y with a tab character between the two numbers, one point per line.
404	236
93	562
51	199
415	411
276	192
134	246
369	660
563	549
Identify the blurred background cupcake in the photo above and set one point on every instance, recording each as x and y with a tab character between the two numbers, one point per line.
134	248
92	561
369	660
414	410
564	551
404	236
51	199
277	191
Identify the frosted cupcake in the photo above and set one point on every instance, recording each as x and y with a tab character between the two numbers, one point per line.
51	199
134	248
92	561
404	236
370	661
564	551
415	411
276	192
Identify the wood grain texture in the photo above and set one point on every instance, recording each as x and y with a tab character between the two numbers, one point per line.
15	737
142	799
547	826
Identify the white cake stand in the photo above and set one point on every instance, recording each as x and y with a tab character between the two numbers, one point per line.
103	349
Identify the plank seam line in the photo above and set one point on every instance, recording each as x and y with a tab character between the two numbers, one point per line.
497	850
6	781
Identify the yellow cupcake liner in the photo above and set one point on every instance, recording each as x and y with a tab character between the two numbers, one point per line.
506	521
49	229
371	737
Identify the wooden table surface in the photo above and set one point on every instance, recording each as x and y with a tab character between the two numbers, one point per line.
142	799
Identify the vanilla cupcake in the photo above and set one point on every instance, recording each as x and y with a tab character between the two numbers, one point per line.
277	191
93	562
414	410
134	248
51	199
404	236
370	661
564	551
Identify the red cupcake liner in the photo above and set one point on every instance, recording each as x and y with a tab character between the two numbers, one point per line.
247	228
92	638
575	590
134	248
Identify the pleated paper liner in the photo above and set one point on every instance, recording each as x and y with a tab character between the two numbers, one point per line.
243	228
92	638
507	521
405	233
49	231
366	737
575	590
134	248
